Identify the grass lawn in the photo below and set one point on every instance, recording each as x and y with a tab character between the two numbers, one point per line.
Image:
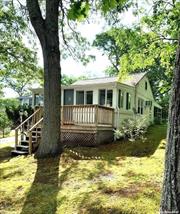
118	178
11	134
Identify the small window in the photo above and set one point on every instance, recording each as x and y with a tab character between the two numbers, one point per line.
128	101
80	97
146	85
102	96
120	99
89	97
140	106
109	97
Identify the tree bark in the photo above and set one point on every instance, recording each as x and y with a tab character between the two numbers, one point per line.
170	201
47	32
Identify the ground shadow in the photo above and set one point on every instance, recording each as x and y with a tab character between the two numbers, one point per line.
123	148
5	153
42	197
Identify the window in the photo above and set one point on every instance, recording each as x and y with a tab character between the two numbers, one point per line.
120	99
102	96
140	106
109	97
80	97
68	96
128	101
38	100
146	85
89	97
105	97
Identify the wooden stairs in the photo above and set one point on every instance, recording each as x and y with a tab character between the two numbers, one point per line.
28	134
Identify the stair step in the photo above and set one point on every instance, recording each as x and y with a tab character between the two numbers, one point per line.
22	148
18	152
33	138
26	142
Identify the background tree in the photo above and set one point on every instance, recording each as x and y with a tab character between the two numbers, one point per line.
18	63
149	46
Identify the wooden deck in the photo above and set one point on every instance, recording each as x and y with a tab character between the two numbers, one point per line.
85	125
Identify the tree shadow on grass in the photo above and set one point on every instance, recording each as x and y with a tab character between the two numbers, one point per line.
5	153
123	148
42	196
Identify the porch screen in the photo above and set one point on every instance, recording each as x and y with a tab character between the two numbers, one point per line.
128	101
89	97
102	96
80	97
120	99
68	97
109	97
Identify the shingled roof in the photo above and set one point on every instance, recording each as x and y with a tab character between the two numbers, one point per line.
131	80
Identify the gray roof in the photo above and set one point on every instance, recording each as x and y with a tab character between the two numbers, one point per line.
131	80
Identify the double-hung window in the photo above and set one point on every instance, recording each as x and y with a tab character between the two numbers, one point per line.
120	99
105	97
140	106
128	101
84	97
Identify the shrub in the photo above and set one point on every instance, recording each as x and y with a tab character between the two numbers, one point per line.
132	128
13	113
5	123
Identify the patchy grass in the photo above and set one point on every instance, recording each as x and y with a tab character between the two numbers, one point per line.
122	177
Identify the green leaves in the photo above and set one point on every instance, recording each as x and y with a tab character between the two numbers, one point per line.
79	10
18	62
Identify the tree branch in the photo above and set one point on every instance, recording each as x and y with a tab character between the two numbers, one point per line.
36	19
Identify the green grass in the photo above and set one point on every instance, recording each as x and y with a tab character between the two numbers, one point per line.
122	177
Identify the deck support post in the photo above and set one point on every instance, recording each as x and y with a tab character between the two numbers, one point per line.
16	137
30	143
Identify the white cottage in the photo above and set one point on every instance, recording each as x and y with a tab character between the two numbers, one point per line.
91	110
129	98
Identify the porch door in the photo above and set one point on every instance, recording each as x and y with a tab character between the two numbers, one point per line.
68	96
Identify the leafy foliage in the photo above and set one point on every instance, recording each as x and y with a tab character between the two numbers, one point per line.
150	46
133	128
12	107
18	62
67	80
4	122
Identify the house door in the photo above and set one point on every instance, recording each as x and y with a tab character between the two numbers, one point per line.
68	96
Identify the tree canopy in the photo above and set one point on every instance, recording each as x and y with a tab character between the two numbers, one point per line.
18	62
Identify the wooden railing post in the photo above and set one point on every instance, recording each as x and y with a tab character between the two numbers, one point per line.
96	115
62	116
16	137
30	142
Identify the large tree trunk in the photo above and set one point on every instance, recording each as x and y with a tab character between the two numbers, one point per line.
170	201
47	31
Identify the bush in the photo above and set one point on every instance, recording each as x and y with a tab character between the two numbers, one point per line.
132	128
4	123
13	113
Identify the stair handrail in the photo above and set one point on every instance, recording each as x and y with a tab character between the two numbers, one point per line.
30	134
25	121
28	118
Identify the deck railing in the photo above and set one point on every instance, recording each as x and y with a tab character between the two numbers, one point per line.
27	124
87	114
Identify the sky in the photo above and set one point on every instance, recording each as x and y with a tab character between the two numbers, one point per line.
93	69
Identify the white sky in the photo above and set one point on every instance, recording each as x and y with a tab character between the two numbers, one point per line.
93	69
